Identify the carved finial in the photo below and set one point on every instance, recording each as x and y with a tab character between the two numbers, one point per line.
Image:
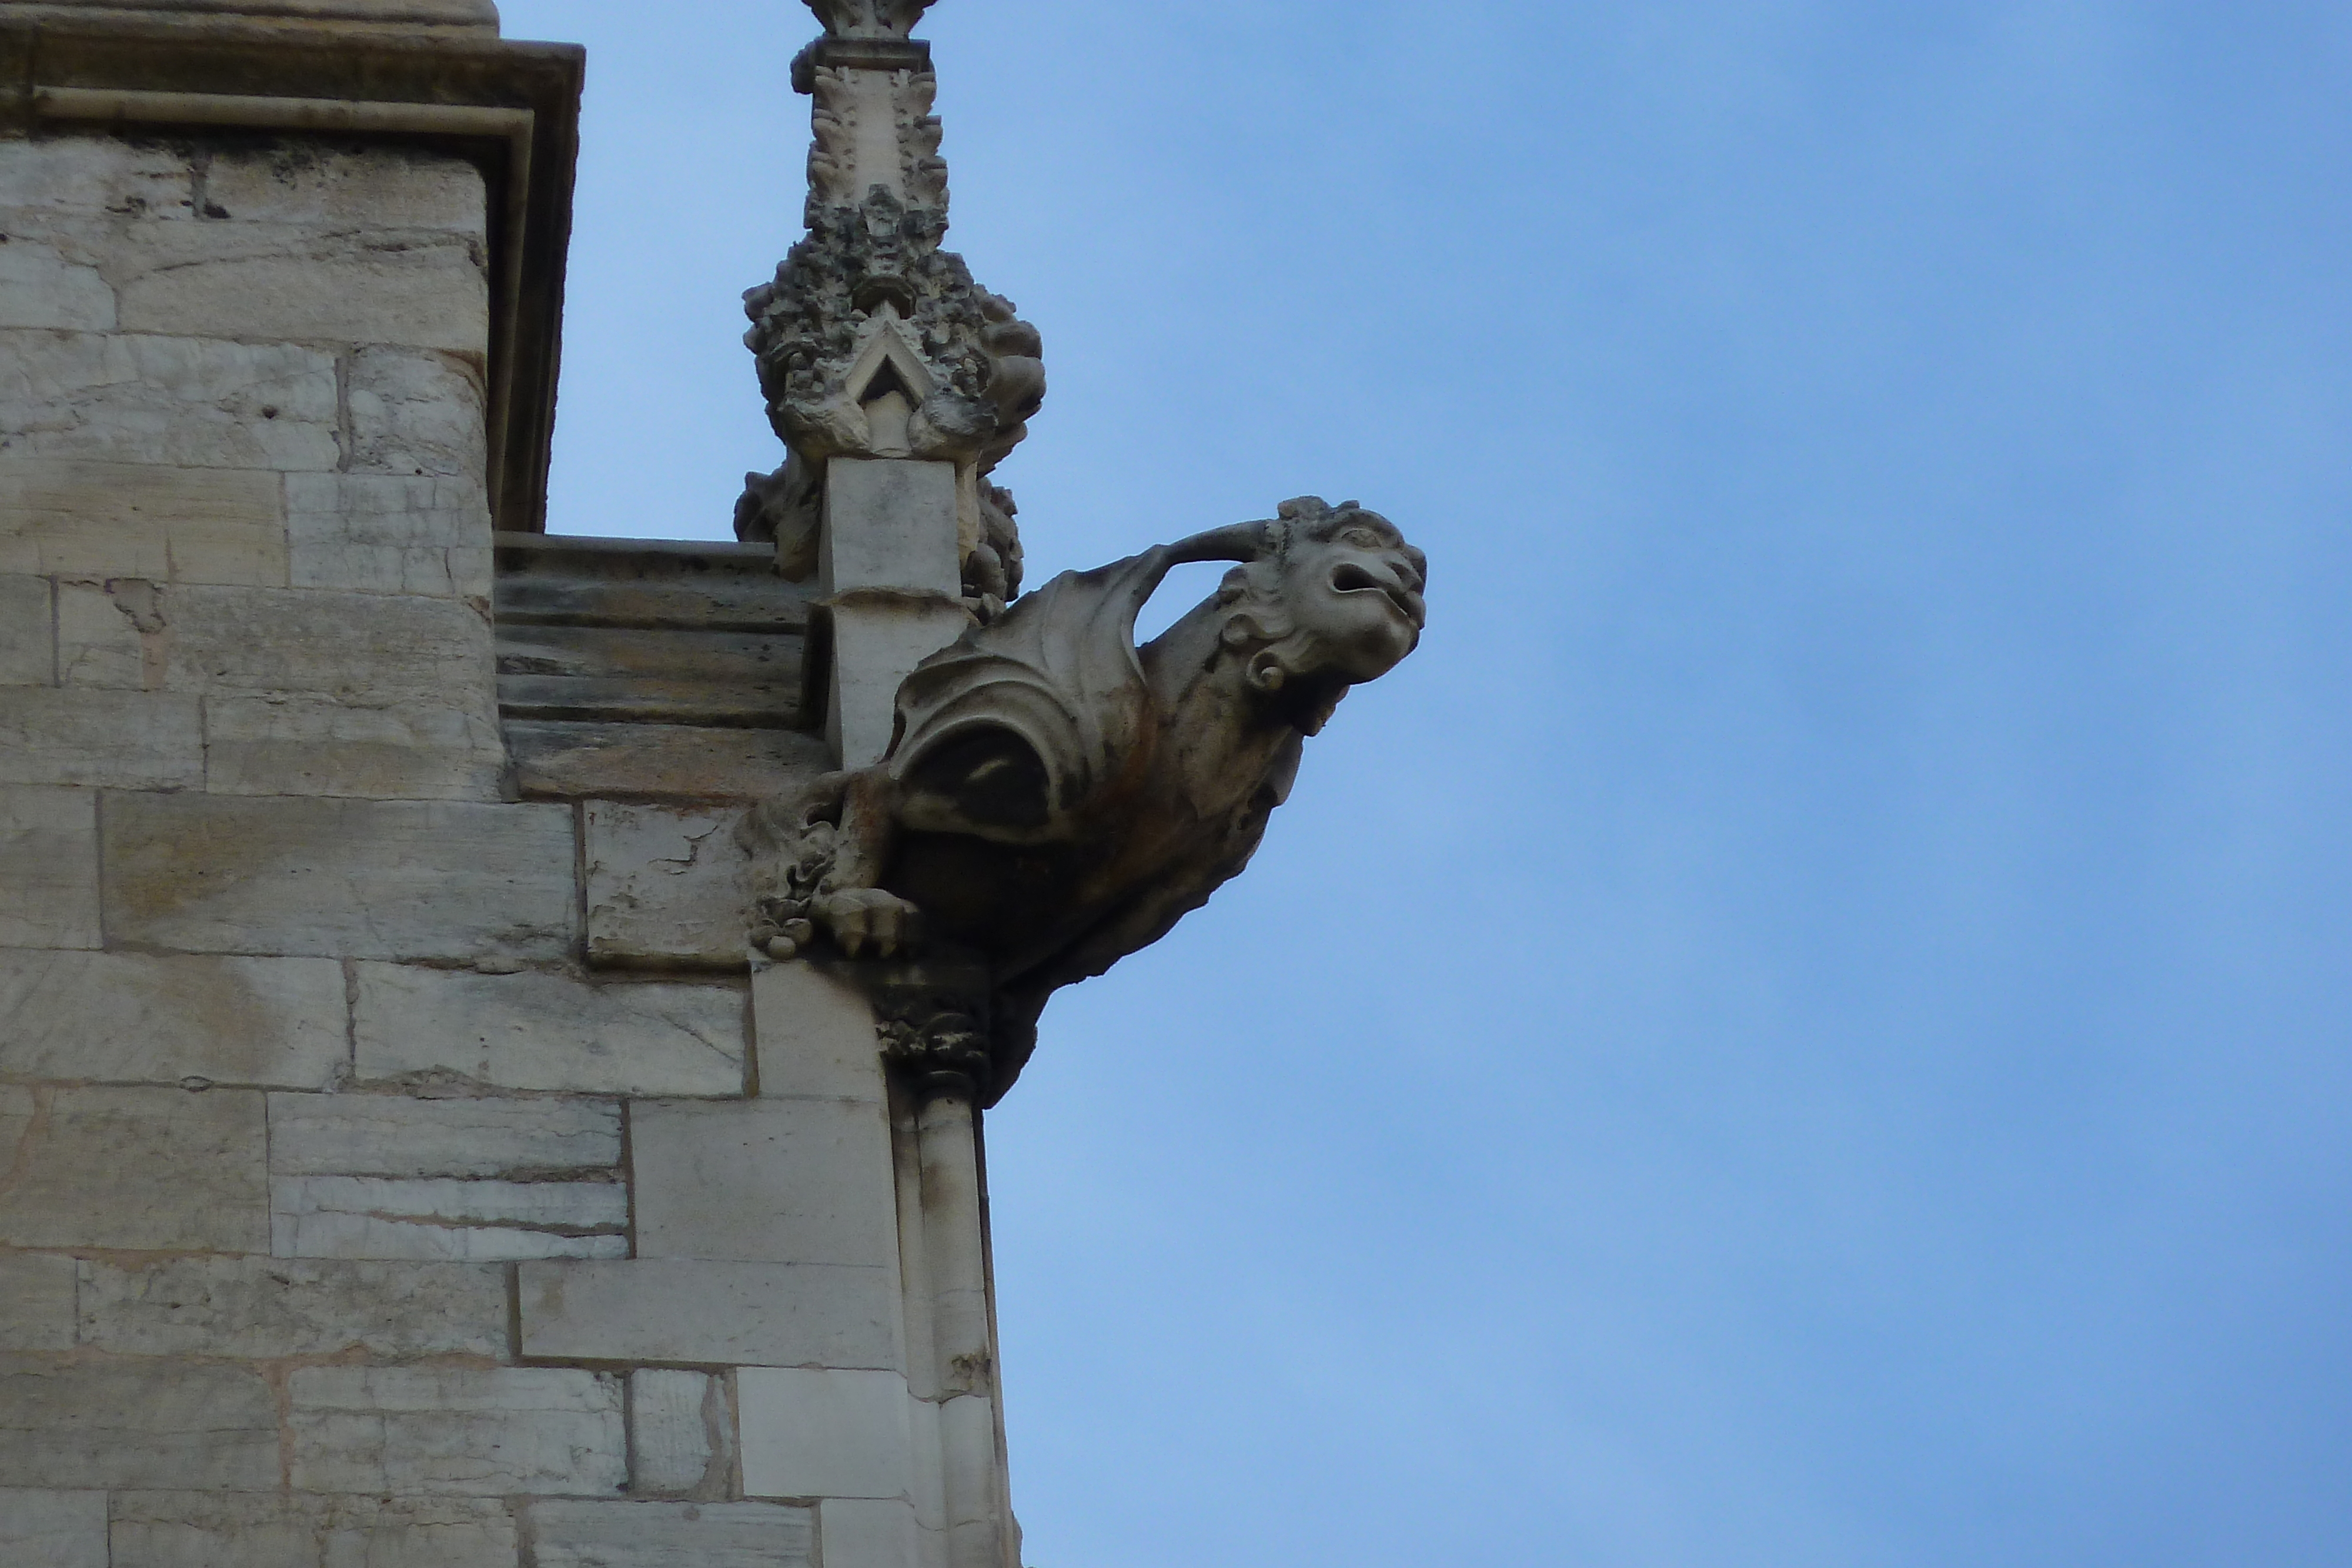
872	341
869	18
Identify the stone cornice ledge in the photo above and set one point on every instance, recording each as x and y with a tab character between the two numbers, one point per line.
433	71
480	16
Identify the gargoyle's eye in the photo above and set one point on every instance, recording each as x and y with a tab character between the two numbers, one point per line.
1362	539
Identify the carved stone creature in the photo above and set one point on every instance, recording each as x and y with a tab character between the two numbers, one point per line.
869	18
1057	799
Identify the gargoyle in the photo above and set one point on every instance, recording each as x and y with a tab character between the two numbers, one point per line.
1054	798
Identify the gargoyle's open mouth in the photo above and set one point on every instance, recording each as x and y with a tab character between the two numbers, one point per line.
1349	577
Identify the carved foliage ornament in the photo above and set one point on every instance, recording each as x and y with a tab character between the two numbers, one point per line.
1057	798
869	306
869	18
873	342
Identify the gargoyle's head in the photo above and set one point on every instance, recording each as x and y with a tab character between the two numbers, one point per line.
869	18
1332	598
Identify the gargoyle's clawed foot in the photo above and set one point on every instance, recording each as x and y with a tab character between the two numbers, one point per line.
860	917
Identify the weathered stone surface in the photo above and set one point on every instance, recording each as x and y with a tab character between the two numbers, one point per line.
415	412
713	1313
134	1169
814	1036
136	1424
454	1222
890	523
300	283
359	649
375	750
547	1031
580	759
822	1434
41	286
28	631
671	1535
859	1533
133	520
774	1181
201	1530
114	636
875	643
106	740
48	873
391	1430
681	1434
303	182
111	635
103	177
268	1309
36	1304
389	534
391	1136
181	401
372	1175
53	1529
664	886
128	1018
554	580
339	878
456	16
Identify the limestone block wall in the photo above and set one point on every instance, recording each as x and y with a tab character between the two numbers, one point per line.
348	1216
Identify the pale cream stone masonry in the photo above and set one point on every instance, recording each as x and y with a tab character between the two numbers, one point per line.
255	837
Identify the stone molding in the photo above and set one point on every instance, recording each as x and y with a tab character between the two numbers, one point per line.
467	16
512	107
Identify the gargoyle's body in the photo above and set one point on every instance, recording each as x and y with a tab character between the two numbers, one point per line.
1057	799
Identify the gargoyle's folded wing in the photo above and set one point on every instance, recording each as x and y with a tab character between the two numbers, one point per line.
1012	732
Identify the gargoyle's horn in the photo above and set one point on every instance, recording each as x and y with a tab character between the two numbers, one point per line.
1240	541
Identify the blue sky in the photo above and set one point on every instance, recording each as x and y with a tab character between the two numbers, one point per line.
1807	1027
